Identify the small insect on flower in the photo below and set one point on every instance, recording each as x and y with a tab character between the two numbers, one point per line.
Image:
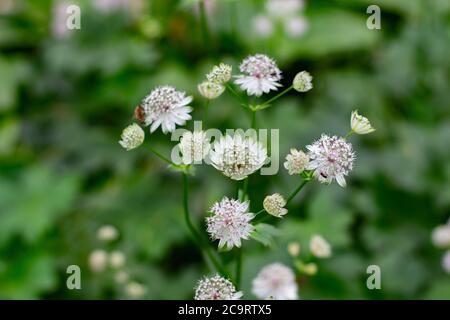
302	82
139	114
194	147
274	205
319	247
220	74
210	90
230	222
216	288
260	75
296	162
275	281
166	107
238	156
360	124
132	137
331	158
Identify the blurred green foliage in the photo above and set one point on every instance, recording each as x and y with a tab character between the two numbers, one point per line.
65	99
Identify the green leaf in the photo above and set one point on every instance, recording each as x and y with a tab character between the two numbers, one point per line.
265	233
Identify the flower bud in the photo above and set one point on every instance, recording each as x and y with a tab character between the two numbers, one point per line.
274	205
303	82
132	137
360	124
210	90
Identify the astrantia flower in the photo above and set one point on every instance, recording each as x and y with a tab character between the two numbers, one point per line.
360	124
132	137
260	75
296	162
166	107
293	249
319	247
216	288
238	156
210	90
230	222
220	74
441	236
331	158
194	146
302	81
274	205
275	281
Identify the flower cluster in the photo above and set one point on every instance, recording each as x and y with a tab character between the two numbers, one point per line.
194	146
260	75
230	222
274	205
238	156
166	107
275	281
216	288
331	158
216	79
296	162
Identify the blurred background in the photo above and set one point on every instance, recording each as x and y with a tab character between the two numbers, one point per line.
70	195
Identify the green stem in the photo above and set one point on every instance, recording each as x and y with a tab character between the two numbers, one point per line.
204	25
253	119
294	193
234	92
268	102
197	237
238	268
205	115
349	134
159	155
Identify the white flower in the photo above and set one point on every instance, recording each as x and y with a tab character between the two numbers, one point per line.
441	236
293	249
166	107
331	158
210	90
132	137
194	146
274	205
296	26
238	156
275	281
220	74
107	233
117	259
98	260
446	261
302	81
360	124
319	247
230	222
135	290
263	26
296	162
260	75
284	8
216	288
